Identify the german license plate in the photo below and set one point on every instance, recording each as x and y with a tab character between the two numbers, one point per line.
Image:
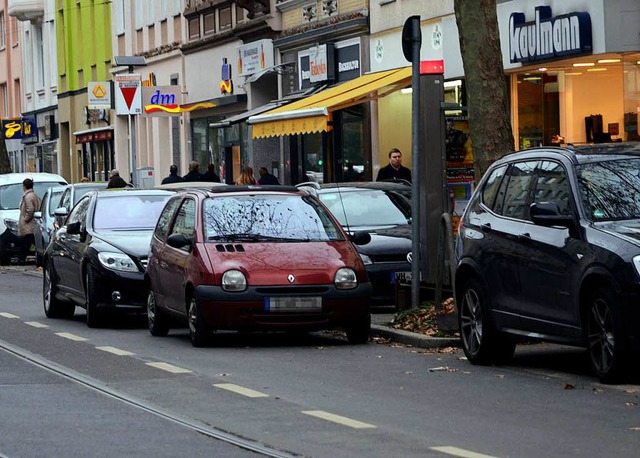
293	304
400	277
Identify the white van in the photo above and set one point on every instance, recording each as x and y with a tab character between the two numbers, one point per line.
10	195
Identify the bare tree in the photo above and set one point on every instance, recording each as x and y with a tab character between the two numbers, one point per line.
5	165
487	102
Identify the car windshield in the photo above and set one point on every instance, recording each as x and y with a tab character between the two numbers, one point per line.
369	207
54	201
610	190
278	218
11	194
128	212
82	190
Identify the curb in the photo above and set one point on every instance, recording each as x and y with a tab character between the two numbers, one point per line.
413	339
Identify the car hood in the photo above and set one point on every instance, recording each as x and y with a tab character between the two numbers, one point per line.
134	243
310	263
9	214
393	240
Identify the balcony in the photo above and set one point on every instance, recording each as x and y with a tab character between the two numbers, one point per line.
26	10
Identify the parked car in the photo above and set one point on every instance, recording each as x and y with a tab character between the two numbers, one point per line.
71	195
383	209
10	195
98	258
258	258
549	248
45	220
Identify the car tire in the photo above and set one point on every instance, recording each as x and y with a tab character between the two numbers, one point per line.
53	307
358	332
199	332
95	316
605	336
481	341
156	318
38	259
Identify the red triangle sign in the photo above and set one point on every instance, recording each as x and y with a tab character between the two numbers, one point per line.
128	93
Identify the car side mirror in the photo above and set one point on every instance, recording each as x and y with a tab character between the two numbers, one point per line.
179	241
60	212
37	215
360	237
74	228
548	214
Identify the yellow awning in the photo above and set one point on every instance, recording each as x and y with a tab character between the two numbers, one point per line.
313	113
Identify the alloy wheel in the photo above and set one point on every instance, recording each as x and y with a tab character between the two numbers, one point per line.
471	321
151	309
601	336
193	316
48	290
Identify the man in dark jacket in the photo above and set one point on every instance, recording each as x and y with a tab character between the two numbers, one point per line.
115	180
266	178
194	173
395	170
173	176
211	175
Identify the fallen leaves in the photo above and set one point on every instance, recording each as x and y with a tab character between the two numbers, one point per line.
569	386
442	369
424	320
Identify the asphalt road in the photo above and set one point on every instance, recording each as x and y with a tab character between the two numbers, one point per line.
312	395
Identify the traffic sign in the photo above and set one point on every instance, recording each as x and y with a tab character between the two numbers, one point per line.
99	93
128	94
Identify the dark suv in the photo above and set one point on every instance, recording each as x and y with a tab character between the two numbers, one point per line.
549	248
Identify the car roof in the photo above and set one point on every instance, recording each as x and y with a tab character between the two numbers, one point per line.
102	193
579	154
12	178
355	186
190	184
213	191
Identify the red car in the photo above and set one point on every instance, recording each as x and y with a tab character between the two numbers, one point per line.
265	258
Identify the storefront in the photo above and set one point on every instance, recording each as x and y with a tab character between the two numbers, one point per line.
97	156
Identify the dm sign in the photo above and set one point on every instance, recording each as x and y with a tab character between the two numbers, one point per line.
546	37
160	101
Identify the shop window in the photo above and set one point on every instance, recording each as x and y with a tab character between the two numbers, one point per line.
225	18
538	109
209	23
194	28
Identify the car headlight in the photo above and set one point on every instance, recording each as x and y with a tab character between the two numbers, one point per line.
366	260
11	224
117	261
345	278
234	280
636	263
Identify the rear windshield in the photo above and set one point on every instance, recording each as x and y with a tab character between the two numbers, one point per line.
128	212
278	218
11	194
610	190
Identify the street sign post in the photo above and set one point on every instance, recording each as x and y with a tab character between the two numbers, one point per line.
128	92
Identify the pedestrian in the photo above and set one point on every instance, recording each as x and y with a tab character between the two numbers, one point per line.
211	175
194	172
84	180
246	177
395	170
173	176
115	180
29	204
266	177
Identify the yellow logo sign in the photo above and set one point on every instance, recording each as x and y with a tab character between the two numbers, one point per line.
99	91
11	128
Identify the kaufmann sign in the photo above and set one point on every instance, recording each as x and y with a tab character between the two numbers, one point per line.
546	36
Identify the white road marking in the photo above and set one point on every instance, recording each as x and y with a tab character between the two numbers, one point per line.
455	451
8	315
35	324
169	368
241	390
70	336
338	419
115	351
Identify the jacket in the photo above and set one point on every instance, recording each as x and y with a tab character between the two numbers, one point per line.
29	204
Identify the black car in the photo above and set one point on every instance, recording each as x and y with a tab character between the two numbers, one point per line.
98	258
549	248
383	209
71	194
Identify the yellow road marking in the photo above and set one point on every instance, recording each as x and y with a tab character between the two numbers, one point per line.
169	368
116	351
8	315
455	451
70	336
241	390
338	419
35	324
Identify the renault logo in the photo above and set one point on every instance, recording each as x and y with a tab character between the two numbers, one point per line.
291	278
409	257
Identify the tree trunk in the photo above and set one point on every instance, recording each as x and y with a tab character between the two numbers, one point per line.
487	102
5	165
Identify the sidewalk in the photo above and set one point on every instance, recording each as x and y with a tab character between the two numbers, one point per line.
380	327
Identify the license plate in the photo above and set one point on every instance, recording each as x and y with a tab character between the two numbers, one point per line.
293	304
400	277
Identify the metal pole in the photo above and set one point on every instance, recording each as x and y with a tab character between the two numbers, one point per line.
415	163
134	179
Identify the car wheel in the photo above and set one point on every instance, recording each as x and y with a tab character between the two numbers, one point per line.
481	342
605	338
358	332
199	332
95	317
157	320
38	259
53	307
4	257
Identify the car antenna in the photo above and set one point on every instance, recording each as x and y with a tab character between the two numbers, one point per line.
344	212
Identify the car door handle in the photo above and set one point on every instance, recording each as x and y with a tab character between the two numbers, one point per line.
486	227
525	236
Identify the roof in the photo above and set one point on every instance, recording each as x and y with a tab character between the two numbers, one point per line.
581	153
12	178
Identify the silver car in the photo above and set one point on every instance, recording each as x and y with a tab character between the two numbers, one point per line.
45	220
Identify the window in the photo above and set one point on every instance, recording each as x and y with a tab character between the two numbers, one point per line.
39	57
209	23
194	28
240	13
516	196
490	190
3	30
128	212
185	222
176	7
552	186
162	227
119	18
79	213
225	18
151	10
139	14
4	101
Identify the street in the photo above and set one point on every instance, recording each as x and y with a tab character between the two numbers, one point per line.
70	390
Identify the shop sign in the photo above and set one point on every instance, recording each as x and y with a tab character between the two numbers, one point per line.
150	81
19	128
345	59
254	57
348	62
160	101
226	85
546	37
321	66
95	137
99	95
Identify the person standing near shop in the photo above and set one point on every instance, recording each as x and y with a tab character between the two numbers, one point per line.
115	180
266	178
29	204
173	176
395	170
194	172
